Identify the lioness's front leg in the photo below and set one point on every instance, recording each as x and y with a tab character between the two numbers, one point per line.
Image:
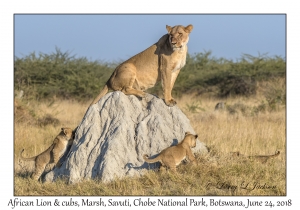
166	77
173	78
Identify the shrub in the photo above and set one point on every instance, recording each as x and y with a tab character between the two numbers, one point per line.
59	74
234	86
194	107
238	108
65	76
275	94
48	119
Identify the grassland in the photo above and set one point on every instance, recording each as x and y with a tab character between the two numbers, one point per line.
243	126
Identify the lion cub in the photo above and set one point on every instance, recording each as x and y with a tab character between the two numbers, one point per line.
52	155
172	156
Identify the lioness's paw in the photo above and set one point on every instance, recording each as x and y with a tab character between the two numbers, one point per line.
171	102
144	96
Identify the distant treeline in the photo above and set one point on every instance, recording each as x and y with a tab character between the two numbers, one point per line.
63	75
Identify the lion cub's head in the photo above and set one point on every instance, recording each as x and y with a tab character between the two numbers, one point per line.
179	35
190	139
67	132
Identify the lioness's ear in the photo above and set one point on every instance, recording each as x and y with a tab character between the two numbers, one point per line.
189	28
169	28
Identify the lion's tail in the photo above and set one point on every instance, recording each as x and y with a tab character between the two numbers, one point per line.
154	160
24	158
101	94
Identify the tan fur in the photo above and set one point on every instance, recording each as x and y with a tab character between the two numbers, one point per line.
172	156
52	155
260	158
161	61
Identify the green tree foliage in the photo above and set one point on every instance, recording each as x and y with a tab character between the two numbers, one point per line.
59	74
66	76
204	73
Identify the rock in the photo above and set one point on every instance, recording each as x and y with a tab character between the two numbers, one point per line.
116	132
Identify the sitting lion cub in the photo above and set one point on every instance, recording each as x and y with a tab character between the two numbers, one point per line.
172	156
52	155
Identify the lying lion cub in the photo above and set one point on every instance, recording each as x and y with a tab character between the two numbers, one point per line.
52	155
172	156
160	62
259	158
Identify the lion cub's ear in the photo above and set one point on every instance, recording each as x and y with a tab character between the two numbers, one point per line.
236	153
186	133
169	28
65	130
189	28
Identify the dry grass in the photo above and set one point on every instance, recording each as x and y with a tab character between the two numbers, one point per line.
251	133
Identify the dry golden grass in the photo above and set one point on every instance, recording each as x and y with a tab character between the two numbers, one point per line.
251	133
35	139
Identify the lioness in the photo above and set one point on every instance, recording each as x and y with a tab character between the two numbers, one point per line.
52	155
161	61
260	158
172	156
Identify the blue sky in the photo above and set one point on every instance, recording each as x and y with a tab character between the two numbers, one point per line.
111	38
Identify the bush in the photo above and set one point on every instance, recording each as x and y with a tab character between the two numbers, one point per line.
194	107
238	108
48	119
62	75
237	86
59	74
275	94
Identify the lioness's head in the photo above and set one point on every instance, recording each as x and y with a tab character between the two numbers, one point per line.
179	35
191	139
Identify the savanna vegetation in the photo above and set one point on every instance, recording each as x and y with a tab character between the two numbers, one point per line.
59	87
65	76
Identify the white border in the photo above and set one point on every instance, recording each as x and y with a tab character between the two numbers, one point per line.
8	8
